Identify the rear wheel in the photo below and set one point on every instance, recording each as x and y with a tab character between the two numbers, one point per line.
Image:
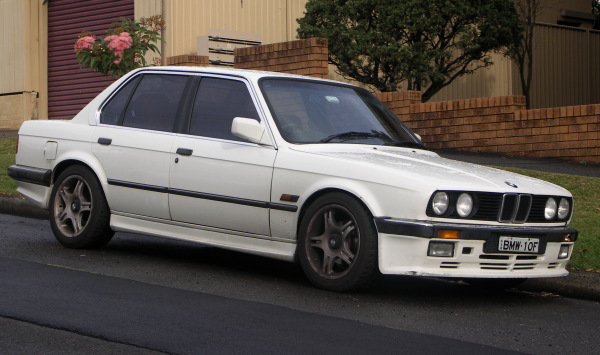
338	243
79	213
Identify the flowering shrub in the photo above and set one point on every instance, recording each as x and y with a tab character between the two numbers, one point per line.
123	48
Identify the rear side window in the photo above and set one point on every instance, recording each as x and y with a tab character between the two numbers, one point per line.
217	103
113	111
155	102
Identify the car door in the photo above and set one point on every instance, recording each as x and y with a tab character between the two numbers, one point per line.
217	180
133	143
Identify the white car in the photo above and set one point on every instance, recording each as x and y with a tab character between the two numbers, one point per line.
288	167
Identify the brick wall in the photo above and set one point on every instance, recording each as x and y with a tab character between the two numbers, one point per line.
502	125
399	101
188	60
302	57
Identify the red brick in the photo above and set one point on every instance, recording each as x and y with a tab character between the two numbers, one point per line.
578	128
540	131
563	111
559	129
589	135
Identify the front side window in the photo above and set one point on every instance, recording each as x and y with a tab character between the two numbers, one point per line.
313	112
155	102
217	103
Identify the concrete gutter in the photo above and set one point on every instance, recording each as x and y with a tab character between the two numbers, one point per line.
19	206
579	284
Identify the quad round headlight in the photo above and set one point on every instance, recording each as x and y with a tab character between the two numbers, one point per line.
440	203
550	210
464	205
564	207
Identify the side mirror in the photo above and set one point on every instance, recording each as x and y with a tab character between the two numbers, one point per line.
250	129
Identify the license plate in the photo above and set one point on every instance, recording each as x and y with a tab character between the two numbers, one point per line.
519	245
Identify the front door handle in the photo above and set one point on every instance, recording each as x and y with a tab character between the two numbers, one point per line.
184	151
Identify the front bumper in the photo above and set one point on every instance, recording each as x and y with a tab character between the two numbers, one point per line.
404	245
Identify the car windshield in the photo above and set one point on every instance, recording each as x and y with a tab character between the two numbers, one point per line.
312	112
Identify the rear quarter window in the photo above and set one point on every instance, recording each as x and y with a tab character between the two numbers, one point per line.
150	101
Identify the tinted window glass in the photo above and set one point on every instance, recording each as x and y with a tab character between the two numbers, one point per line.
111	113
217	103
155	102
315	112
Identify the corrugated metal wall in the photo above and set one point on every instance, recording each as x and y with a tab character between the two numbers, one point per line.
496	80
594	63
566	71
565	67
69	87
147	8
12	43
274	20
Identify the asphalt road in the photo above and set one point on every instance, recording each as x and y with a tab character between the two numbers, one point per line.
142	295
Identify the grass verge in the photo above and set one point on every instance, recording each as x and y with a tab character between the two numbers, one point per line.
585	190
7	158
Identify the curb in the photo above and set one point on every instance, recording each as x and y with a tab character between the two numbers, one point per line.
579	284
19	206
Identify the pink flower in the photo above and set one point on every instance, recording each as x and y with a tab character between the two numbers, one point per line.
119	43
84	43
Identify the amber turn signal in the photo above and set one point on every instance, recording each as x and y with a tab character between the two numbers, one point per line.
448	234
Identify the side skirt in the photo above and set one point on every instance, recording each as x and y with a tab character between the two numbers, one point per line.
247	243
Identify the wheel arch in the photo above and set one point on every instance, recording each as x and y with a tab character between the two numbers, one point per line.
315	195
88	162
321	192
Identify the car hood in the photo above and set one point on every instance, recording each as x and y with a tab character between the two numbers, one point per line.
421	167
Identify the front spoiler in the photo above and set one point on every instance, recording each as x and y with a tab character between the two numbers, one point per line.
403	250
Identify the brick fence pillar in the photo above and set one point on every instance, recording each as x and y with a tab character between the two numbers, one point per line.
188	60
301	57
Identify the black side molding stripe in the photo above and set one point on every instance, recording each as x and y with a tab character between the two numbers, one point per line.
32	175
282	207
220	198
205	196
134	185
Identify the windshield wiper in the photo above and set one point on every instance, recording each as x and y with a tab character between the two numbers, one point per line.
407	144
356	135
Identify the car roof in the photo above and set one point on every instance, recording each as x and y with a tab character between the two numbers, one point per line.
246	73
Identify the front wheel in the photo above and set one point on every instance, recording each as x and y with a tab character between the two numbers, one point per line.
79	213
337	243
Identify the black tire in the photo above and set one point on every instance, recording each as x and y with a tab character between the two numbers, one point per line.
79	213
494	284
337	244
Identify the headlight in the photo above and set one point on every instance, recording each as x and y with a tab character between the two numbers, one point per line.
440	203
550	210
464	205
563	208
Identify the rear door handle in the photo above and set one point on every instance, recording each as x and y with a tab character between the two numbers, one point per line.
104	141
184	151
